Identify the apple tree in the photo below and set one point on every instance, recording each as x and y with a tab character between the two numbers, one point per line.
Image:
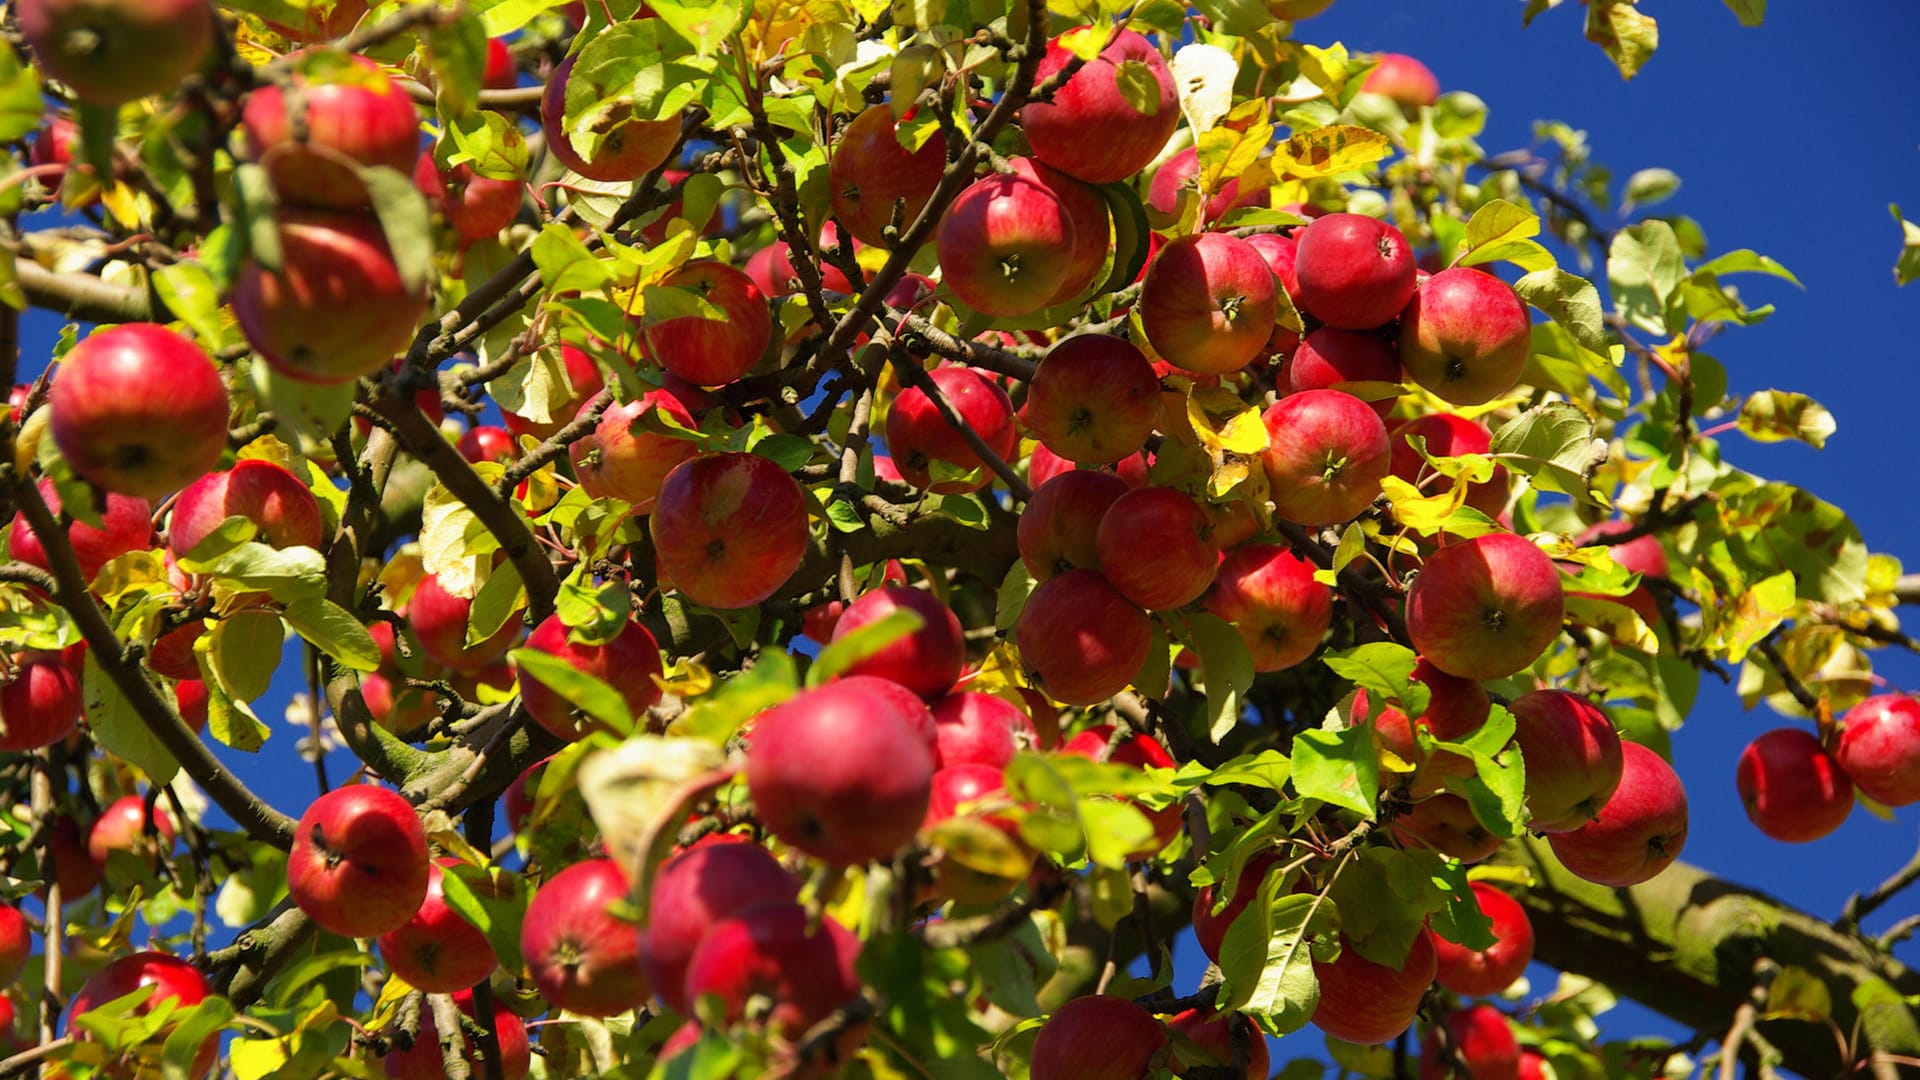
828	537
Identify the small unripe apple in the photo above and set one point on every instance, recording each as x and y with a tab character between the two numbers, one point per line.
1791	787
1099	1038
1880	748
1355	272
1082	638
1485	608
1639	832
1483	972
138	409
1090	130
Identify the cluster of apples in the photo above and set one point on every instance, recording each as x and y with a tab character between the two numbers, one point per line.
1798	788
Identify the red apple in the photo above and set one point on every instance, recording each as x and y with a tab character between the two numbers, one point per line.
125	525
1404	79
1099	1038
1479	1038
1059	529
1880	748
772	271
516	803
798	970
359	861
711	881
1281	253
842	772
1329	359
500	72
1093	398
1365	1002
1207	304
1092	227
272	498
476	207
437	950
729	529
1445	823
702	350
1089	130
190	699
41	704
1156	548
926	661
1533	1064
1083	640
172	980
351	116
972	728
974	792
1485	608
1210	927
1639	832
622	460
110	52
1641	555
1179	173
1448	435
1215	1035
1043	465
1484	972
396	706
1355	272
126	826
1465	335
139	410
337	309
629	663
426	1061
1141	752
1006	246
54	145
486	442
918	436
583	957
439	621
16	945
1326	454
876	182
630	151
1572	755
1791	787
584	381
1270	596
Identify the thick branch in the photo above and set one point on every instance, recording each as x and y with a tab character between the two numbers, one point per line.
81	296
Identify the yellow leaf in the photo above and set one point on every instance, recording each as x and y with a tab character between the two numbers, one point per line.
1225	423
1329	151
1229	475
1619	622
685	678
1424	514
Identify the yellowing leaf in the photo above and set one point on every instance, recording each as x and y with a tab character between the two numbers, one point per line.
1623	33
1203	76
1224	423
1773	415
1425	514
1619	622
1329	151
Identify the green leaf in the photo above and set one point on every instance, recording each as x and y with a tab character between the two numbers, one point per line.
581	690
1744	261
1052	821
485	141
494	901
856	645
1644	268
246	649
119	728
719	715
1383	897
232	723
1569	300
1115	829
189	291
1623	33
1384	669
333	630
965	509
1649	186
1012	597
21	106
1498	224
1460	919
565	264
1338	767
192	1027
1266	958
1907	266
708	23
1555	447
501	597
1774	415
1226	667
790	452
1749	12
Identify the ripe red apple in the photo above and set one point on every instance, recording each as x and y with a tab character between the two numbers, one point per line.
1270	596
172	980
917	435
315	26
1448	435
1484	972
437	950
439	621
190	699
1177	174
1092	227
926	661
1355	272
630	151
729	529
584	380
359	861
66	860
1099	1038
123	826
1639	832
1207	304
337	309
1477	1036
1465	335
876	182
40	705
1791	787
110	52
125	525
773	273
628	663
1096	744
16	945
1880	748
1006	245
1572	754
1156	548
706	351
260	491
395	706
1641	555
1093	399
584	958
54	145
351	116
974	792
713	880
140	410
426	1061
972	728
1210	928
1326	454
1089	130
1059	529
485	442
1533	1064
1485	608
476	207
1082	638
620	459
1365	1002
798	970
1281	252
500	73
842	772
1404	79
1043	465
1330	359
1455	709
1214	1034
1445	823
